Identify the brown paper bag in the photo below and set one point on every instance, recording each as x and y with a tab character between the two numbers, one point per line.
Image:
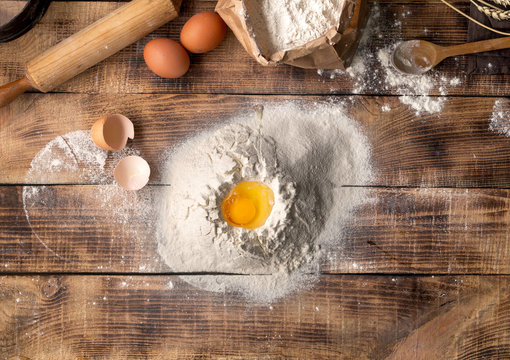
334	50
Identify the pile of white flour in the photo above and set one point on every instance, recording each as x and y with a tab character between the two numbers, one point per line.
284	24
306	155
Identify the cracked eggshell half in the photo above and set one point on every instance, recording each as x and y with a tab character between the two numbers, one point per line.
112	131
132	173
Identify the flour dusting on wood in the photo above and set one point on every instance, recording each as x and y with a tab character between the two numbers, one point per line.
500	119
74	158
372	72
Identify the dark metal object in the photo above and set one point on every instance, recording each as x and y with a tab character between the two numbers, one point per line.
24	21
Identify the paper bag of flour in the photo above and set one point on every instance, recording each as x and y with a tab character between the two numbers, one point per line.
332	50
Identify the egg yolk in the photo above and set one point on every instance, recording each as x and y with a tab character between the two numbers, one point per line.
248	205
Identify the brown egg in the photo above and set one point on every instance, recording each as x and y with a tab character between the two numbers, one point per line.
166	58
203	32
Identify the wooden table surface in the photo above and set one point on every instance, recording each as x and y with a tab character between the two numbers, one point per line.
425	273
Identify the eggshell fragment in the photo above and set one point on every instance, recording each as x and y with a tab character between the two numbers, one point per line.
112	131
132	173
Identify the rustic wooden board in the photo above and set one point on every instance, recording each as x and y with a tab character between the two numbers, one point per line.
423	272
216	72
430	231
451	149
343	317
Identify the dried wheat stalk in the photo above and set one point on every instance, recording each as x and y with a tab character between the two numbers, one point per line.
475	21
504	3
492	11
486	4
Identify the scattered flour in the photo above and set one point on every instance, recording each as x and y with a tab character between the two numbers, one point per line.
373	72
74	158
500	120
68	156
321	151
284	24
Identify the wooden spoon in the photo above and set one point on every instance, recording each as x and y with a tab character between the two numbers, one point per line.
416	57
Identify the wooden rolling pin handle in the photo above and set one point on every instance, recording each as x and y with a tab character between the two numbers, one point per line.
12	90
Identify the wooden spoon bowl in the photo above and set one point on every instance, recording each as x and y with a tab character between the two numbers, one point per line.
416	57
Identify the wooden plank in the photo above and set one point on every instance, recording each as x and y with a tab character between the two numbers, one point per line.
451	149
430	231
126	72
9	9
343	317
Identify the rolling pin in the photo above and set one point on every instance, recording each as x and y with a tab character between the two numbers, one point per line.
91	45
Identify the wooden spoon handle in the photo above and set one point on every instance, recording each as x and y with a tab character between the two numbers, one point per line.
12	90
476	47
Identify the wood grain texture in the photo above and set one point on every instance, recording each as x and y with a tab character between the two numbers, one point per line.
428	231
126	72
422	272
9	9
451	149
342	317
